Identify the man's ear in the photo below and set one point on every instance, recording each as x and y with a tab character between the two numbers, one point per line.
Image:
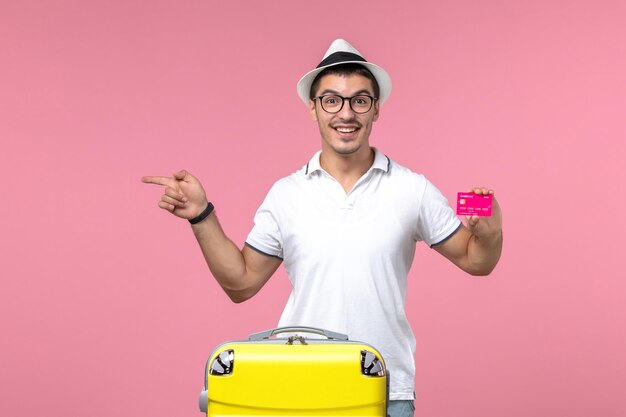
312	111
376	110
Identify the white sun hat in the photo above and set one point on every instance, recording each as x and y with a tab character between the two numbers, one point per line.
341	52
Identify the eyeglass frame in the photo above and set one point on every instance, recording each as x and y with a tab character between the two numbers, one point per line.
343	102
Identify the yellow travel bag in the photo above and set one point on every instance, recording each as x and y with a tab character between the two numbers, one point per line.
295	375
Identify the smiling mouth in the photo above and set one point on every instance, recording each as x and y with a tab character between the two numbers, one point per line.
346	130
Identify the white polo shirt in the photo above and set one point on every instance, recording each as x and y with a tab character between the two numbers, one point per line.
348	255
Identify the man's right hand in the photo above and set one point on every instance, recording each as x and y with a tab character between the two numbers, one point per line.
183	196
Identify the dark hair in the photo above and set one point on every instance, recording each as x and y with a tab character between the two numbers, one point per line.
344	70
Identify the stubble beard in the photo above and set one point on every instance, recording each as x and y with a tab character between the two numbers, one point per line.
343	146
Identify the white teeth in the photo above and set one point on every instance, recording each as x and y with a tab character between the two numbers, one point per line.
346	129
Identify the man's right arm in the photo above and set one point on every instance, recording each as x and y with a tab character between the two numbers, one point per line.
241	273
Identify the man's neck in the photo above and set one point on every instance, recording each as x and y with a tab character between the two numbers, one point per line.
347	169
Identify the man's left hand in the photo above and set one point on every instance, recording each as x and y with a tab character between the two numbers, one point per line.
484	227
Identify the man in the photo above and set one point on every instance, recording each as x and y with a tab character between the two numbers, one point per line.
345	225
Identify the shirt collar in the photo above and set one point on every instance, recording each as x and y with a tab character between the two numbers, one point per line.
381	162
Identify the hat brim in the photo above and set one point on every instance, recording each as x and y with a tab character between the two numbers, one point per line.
382	78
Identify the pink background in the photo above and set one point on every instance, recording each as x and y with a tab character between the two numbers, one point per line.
106	306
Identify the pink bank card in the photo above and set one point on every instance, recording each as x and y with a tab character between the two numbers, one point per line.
468	204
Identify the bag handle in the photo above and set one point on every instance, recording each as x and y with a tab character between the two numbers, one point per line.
315	330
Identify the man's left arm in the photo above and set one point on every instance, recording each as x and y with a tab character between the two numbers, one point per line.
476	248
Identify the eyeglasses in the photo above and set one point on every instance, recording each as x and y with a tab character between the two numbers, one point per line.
333	103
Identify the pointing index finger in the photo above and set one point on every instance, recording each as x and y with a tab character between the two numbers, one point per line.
156	180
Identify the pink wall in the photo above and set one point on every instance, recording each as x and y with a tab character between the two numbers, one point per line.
106	307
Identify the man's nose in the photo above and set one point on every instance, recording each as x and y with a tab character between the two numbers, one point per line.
346	111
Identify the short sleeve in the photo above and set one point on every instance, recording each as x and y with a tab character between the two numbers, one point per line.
265	236
436	219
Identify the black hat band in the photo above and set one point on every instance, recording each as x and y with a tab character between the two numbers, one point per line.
339	57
